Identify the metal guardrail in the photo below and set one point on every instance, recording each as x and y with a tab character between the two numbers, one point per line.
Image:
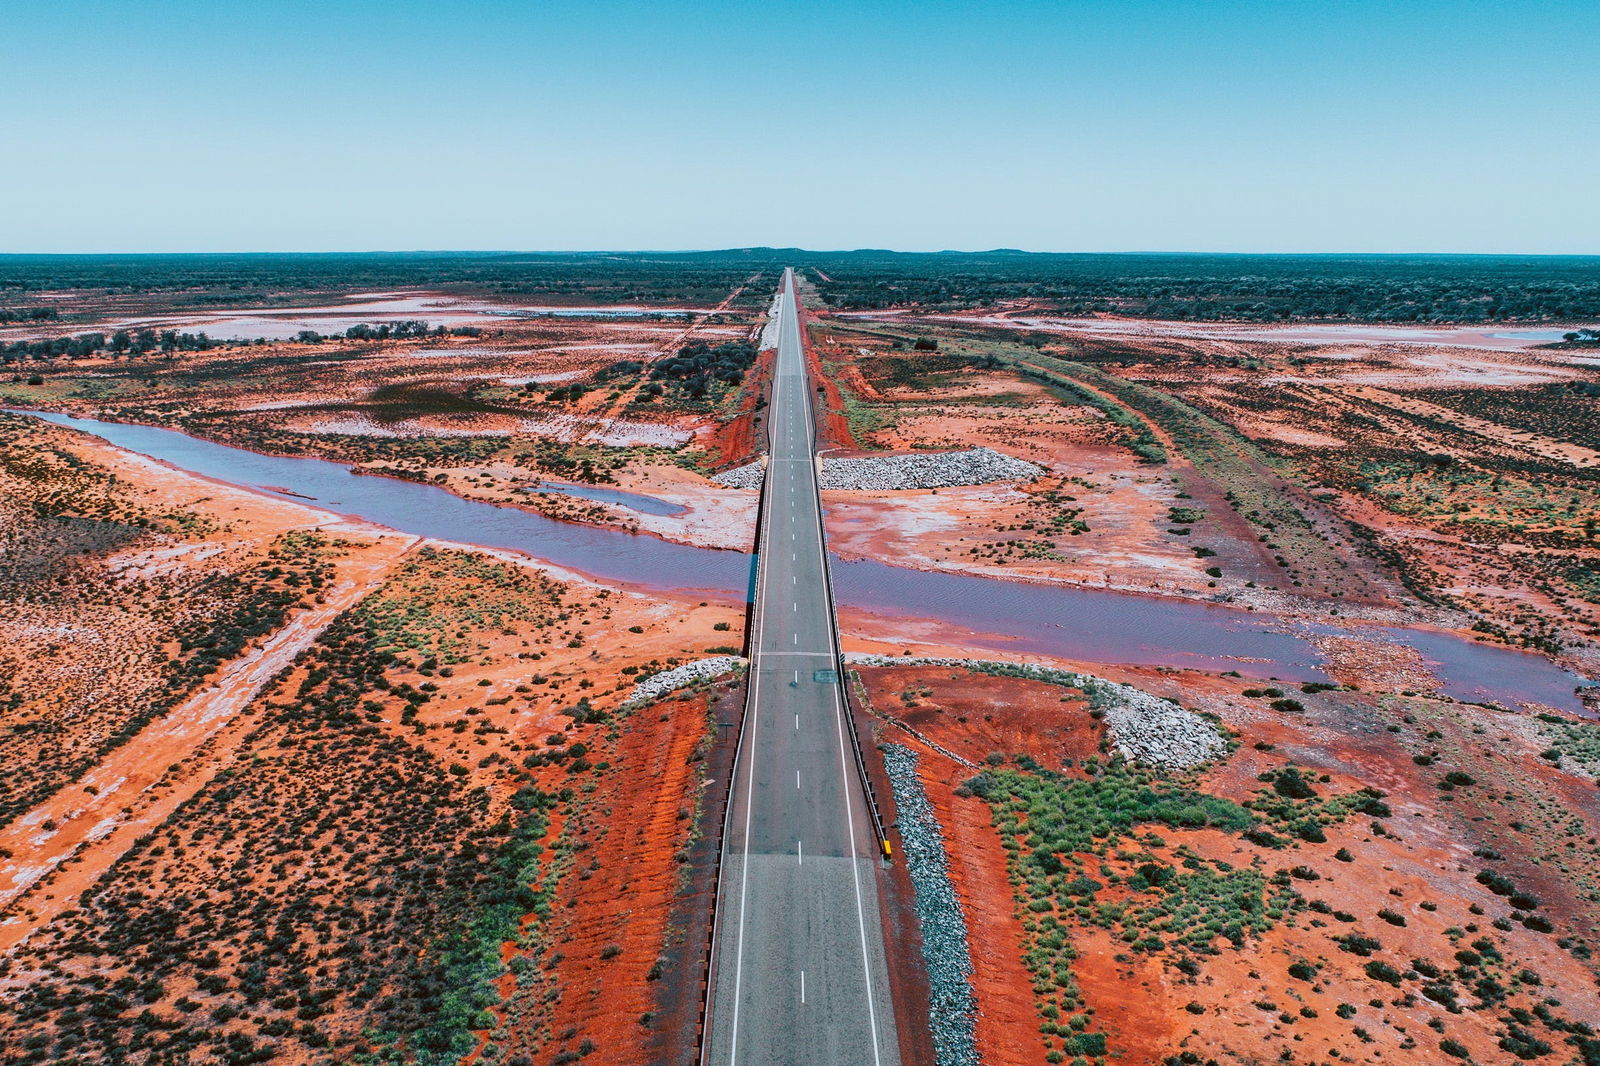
880	831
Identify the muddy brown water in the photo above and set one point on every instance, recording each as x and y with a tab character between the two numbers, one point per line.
1074	623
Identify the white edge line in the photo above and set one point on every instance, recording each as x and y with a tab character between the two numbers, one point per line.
838	704
755	718
855	872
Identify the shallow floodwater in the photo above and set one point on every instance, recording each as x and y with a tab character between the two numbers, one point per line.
1072	623
430	511
1083	623
634	501
593	312
1486	673
1541	335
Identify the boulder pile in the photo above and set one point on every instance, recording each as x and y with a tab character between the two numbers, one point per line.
747	476
929	470
1144	728
657	685
953	1007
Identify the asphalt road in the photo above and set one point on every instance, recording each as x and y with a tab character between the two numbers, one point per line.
799	972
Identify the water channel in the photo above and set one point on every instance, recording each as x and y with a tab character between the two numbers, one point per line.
1076	623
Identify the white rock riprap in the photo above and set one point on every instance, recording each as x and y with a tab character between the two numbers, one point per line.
1143	727
929	470
747	476
1152	730
657	685
945	948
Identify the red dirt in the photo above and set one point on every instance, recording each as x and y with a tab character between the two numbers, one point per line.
997	715
833	429
1243	1006
739	439
613	905
141	783
1007	1023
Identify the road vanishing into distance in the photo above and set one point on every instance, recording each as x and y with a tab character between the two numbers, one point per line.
798	967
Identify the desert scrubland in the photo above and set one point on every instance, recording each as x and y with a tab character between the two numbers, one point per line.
1373	870
287	785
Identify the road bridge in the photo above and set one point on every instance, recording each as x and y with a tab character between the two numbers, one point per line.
799	973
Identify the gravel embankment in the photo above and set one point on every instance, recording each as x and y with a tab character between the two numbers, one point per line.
747	476
944	928
1144	728
769	331
931	470
657	685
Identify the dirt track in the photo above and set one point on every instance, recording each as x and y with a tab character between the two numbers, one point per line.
61	847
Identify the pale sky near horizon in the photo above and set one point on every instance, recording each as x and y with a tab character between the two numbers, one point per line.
1078	125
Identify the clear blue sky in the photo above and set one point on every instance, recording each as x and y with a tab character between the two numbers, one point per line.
1075	125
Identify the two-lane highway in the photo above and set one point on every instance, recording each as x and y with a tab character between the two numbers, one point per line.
799	974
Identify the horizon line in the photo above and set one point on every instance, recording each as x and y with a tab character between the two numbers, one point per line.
805	251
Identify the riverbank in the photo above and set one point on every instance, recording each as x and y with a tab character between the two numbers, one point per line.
1083	625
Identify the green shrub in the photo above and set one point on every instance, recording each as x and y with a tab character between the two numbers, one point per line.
1382	971
1289	783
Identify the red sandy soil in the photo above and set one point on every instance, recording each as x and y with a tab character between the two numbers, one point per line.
1007	1021
1419	867
142	782
1497	563
310	391
833	429
1503	544
513	705
315	397
299	399
739	439
80	665
968	719
1123	503
1541	818
614	928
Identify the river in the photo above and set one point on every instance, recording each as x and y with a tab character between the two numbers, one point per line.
1076	623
